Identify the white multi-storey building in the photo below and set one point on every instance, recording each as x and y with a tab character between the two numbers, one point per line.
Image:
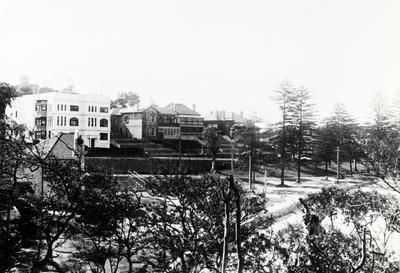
48	114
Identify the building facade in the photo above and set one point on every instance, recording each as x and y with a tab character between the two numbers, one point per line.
160	123
49	114
126	123
190	122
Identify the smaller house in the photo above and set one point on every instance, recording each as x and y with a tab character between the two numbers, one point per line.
127	123
61	147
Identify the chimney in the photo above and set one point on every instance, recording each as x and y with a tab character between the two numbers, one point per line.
194	107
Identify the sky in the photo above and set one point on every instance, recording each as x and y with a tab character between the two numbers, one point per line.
217	54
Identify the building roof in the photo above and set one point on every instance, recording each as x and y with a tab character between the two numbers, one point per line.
163	110
182	109
61	146
126	110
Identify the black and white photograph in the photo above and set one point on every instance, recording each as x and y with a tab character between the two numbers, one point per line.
199	136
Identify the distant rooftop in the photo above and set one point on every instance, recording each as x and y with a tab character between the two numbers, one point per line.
223	115
163	110
182	109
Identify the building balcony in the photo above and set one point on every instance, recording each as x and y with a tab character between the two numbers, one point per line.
40	127
168	124
39	114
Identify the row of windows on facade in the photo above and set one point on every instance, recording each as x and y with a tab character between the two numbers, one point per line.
92	122
62	121
169	131
42	135
72	108
185	120
165	131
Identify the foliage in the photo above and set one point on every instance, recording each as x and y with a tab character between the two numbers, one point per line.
340	233
112	223
126	99
284	98
7	93
212	142
246	138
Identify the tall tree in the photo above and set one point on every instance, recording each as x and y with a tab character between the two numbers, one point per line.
284	97
382	144
302	124
249	147
324	144
343	127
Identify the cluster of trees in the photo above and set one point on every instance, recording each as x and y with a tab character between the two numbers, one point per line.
299	138
177	223
165	223
126	99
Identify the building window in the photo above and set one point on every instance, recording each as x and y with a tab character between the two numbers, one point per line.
152	132
74	122
40	134
103	122
95	122
88	108
95	108
88	122
103	136
58	107
103	109
58	121
74	108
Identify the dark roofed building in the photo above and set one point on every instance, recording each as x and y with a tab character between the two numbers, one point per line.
160	123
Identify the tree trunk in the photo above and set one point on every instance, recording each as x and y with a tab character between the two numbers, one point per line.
47	260
130	264
298	167
225	243
355	165
238	232
183	262
326	168
282	175
213	165
351	167
238	235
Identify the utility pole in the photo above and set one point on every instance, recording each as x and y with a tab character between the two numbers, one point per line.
180	148
232	165
265	179
337	163
250	172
